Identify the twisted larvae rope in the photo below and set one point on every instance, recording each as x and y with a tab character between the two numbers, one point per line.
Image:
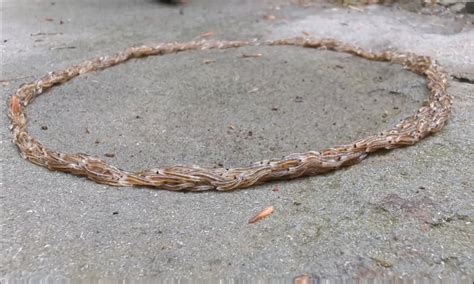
429	118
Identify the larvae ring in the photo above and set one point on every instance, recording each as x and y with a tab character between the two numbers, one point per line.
429	119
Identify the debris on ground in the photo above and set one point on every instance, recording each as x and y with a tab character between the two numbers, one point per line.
269	17
250	55
261	215
254	90
382	262
208	34
299	99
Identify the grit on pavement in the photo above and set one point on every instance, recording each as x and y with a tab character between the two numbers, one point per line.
405	212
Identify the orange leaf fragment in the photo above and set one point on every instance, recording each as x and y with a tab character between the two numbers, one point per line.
262	214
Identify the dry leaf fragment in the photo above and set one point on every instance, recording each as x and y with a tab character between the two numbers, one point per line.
262	214
231	126
306	33
208	61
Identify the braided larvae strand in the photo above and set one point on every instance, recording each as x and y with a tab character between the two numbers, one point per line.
429	119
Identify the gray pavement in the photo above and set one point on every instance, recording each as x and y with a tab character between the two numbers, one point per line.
406	212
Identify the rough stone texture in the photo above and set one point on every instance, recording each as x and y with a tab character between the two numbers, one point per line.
405	212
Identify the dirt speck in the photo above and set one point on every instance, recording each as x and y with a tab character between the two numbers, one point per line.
299	99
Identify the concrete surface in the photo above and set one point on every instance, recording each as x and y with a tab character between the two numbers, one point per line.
406	212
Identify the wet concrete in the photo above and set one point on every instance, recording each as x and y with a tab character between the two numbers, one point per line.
404	212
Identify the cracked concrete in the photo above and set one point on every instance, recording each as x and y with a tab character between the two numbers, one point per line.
407	212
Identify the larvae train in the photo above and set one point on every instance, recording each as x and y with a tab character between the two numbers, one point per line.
429	119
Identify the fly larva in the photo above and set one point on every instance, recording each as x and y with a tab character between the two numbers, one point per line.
261	215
